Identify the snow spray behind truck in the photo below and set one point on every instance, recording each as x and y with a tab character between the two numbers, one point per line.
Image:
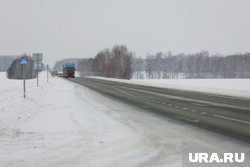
69	70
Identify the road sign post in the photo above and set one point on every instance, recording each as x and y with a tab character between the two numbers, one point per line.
37	58
23	62
47	73
37	76
24	86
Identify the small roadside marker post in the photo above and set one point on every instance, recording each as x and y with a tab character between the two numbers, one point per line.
23	62
47	73
37	75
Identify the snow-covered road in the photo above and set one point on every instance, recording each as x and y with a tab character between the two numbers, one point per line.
65	124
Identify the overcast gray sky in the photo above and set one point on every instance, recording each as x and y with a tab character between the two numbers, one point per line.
81	28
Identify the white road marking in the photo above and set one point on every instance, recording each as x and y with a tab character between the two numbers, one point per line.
123	91
184	108
232	119
188	119
163	103
215	115
198	104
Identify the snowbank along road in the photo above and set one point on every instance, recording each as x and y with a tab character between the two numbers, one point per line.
65	124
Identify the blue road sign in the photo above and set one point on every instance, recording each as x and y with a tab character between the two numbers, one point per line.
23	61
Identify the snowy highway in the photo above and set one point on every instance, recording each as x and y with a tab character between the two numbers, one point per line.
225	114
65	124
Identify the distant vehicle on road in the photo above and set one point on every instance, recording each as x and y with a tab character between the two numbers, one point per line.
60	74
54	73
69	70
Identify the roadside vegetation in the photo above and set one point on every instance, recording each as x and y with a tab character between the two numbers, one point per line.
197	65
114	63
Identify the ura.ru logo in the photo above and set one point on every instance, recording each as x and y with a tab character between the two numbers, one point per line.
215	158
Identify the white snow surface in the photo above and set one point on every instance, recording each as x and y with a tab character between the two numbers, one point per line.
64	124
230	87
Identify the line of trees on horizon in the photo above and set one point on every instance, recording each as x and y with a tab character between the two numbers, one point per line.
121	63
114	63
197	65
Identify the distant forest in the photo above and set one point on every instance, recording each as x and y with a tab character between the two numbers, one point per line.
121	63
198	65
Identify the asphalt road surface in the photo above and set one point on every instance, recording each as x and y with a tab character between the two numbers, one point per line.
224	114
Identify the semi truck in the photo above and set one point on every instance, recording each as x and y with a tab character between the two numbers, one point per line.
69	70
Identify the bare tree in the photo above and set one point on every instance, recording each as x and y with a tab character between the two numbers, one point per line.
116	63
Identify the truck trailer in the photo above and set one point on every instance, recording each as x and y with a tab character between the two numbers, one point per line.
69	70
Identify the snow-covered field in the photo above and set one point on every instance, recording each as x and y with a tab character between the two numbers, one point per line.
231	87
65	124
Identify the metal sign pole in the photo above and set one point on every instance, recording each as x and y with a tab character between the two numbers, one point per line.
37	58
24	86
37	83
23	63
47	73
37	78
24	76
